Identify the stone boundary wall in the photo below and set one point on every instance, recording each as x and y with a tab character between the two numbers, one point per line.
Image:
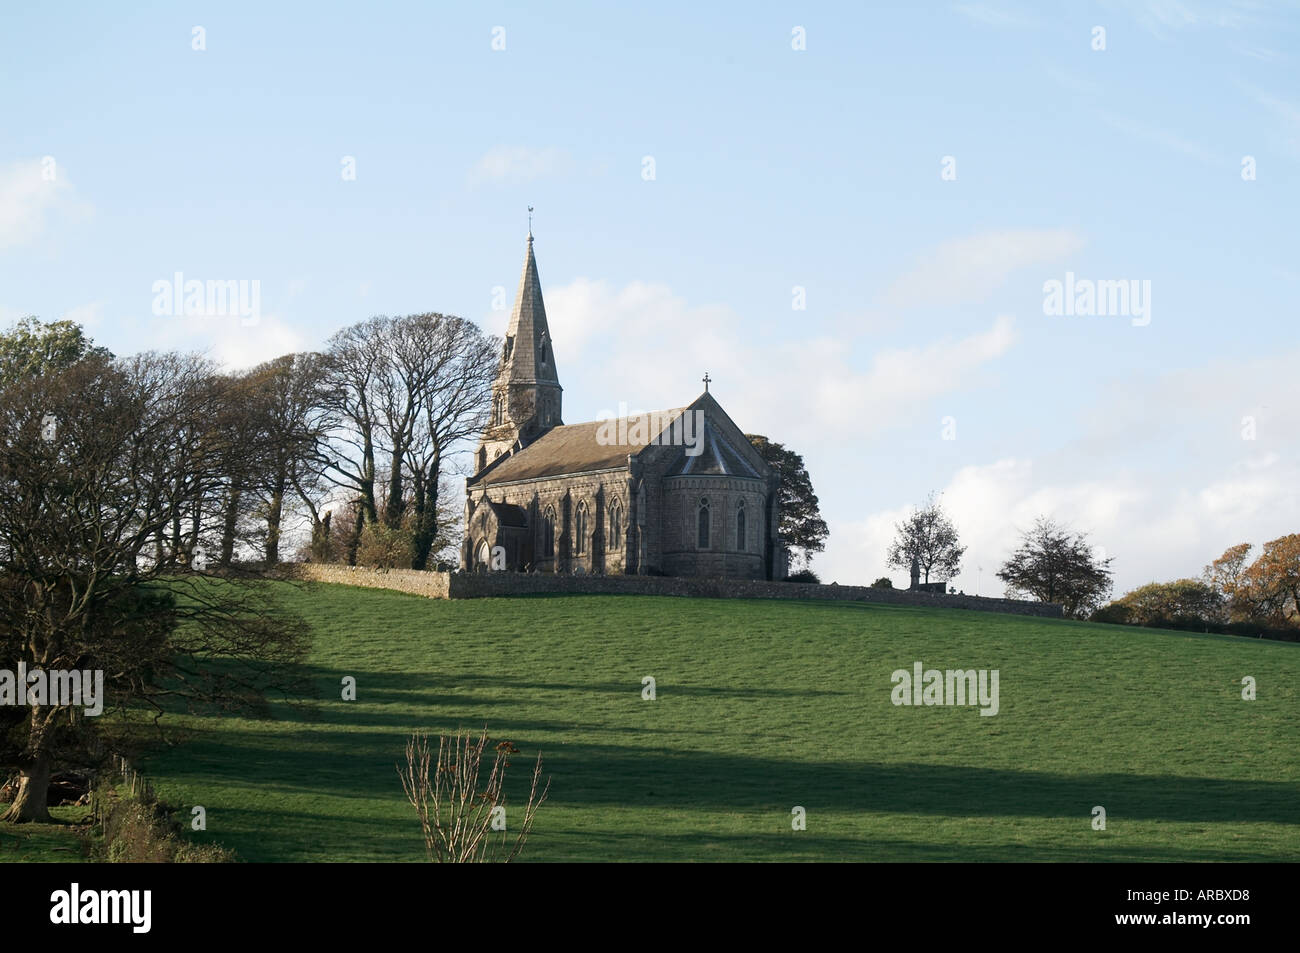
414	581
461	585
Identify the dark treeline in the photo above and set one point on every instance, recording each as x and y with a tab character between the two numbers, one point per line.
126	481
348	452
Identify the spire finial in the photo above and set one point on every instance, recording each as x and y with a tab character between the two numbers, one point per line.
530	223
706	381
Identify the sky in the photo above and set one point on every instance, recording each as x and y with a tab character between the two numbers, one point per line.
849	214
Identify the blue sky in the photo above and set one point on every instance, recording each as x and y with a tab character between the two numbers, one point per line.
773	168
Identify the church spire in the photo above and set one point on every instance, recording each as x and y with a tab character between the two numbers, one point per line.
529	356
526	397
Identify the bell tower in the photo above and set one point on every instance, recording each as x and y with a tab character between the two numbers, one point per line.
526	397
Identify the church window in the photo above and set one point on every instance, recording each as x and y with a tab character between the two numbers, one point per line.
580	544
498	410
482	457
615	527
548	533
740	526
703	519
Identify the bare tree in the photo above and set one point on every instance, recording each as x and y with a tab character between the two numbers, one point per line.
409	392
292	402
457	818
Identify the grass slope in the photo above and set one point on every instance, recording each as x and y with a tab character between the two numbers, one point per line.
764	705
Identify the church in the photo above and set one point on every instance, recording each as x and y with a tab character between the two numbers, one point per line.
679	492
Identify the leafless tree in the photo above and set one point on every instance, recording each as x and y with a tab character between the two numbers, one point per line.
456	815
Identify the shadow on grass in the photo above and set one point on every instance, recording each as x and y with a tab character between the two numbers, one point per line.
362	763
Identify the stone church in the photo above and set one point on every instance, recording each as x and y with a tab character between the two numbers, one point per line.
678	492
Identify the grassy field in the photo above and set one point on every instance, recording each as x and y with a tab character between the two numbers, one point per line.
762	706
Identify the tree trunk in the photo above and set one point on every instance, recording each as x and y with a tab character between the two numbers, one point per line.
231	525
273	517
32	803
396	504
353	543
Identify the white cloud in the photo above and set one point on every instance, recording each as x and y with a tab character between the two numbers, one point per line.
28	197
239	347
224	339
1159	475
89	316
1153	530
518	164
648	347
897	381
969	269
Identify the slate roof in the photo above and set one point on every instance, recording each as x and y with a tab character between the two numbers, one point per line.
717	457
576	448
532	357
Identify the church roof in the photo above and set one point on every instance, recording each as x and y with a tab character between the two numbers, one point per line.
532	357
577	448
717	457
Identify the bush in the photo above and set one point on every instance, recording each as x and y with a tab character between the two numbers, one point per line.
384	548
884	582
1182	604
138	831
804	575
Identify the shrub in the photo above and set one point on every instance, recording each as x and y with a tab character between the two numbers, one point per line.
139	831
804	575
884	582
384	548
1184	603
457	815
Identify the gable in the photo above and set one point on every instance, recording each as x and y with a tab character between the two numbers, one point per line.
724	450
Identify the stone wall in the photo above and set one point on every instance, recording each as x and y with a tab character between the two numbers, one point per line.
431	584
437	585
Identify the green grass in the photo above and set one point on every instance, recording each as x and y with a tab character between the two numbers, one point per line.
61	842
764	705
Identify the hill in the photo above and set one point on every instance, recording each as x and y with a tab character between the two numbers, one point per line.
762	706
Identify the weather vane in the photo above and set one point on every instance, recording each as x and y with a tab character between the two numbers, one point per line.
530	220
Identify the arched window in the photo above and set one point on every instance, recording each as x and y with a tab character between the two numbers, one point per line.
580	524
615	527
548	533
704	523
482	457
740	526
498	410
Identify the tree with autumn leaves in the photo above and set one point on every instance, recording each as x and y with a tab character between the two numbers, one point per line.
1267	590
